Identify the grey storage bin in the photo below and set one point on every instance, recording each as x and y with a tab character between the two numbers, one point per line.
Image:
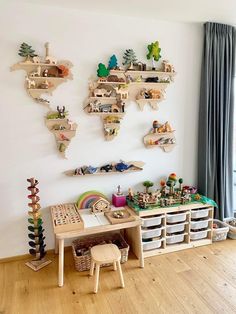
174	218
220	233
199	213
199	224
151	245
151	233
175	228
176	238
152	221
198	235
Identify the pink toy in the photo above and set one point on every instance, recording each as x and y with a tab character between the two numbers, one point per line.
118	199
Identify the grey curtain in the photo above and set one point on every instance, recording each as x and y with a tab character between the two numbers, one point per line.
215	140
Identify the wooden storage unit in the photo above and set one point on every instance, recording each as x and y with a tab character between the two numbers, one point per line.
172	229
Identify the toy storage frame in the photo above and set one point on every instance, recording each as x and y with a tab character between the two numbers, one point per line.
168	248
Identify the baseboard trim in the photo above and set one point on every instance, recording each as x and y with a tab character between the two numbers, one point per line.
26	256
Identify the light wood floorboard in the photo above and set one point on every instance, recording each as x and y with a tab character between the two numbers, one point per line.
201	280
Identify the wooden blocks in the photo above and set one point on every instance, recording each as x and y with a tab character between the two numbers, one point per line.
66	217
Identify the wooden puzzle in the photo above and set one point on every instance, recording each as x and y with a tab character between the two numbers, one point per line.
66	217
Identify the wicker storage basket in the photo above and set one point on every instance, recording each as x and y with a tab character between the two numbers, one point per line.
83	245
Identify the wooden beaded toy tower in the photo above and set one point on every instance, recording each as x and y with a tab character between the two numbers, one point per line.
36	237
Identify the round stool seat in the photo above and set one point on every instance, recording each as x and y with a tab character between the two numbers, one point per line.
105	253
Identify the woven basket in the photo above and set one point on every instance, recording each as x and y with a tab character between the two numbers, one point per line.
84	244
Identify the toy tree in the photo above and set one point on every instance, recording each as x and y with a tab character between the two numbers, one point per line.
36	237
180	183
129	58
147	185
154	52
112	63
26	51
171	182
102	70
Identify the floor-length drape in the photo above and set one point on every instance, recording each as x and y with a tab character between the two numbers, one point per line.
215	141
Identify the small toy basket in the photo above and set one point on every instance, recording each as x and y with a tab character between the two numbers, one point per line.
219	233
81	248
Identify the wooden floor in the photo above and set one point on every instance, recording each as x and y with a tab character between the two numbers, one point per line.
201	280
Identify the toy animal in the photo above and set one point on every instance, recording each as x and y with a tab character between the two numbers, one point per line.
49	59
122	92
94	106
36	59
155	94
30	83
36	73
61	112
167	67
91	169
152	79
102	92
106	168
121	166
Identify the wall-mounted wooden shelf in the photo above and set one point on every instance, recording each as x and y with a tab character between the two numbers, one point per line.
137	166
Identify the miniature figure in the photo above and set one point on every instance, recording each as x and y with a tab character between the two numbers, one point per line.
121	166
48	58
61	112
154	79
122	91
102	92
30	83
102	71
106	168
27	52
36	73
167	67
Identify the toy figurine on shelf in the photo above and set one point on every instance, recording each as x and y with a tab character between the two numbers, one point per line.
113	65
27	52
167	67
118	198
36	237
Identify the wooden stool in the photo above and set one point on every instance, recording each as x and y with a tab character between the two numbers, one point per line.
105	254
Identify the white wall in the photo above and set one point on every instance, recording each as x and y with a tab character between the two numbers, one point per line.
27	147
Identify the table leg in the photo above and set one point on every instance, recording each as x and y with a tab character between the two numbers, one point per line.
140	248
56	244
61	263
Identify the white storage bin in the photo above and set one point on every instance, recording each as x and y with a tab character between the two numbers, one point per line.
173	218
175	228
200	224
177	238
152	221
220	233
151	233
199	213
198	235
151	245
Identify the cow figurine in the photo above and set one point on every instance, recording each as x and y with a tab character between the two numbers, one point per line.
61	112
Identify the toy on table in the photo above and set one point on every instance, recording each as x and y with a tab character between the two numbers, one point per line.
118	198
119	216
88	198
100	205
36	236
167	195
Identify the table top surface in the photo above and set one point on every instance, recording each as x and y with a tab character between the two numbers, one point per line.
98	223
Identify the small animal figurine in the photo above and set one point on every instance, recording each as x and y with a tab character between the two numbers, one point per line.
122	92
102	92
36	59
49	59
106	168
30	83
167	67
70	122
121	166
94	106
152	79
36	73
91	169
63	137
45	73
61	112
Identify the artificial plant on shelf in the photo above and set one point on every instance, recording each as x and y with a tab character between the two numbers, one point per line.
112	63
148	184
129	58
26	51
102	70
154	53
36	243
